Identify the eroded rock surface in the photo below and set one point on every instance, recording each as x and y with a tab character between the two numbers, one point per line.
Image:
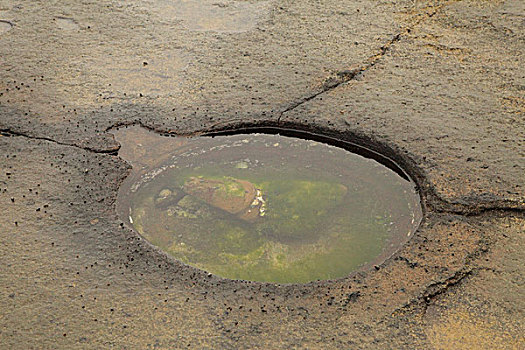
437	85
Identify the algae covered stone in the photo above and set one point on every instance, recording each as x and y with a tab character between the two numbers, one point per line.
235	196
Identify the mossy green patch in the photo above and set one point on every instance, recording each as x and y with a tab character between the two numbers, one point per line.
229	187
284	246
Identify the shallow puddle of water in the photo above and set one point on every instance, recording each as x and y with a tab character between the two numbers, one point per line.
212	15
264	207
5	26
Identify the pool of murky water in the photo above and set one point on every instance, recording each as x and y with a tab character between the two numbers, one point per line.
268	208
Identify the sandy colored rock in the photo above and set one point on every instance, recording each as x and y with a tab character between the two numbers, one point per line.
435	85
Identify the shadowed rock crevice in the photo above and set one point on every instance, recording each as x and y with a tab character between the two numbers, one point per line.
467	207
366	146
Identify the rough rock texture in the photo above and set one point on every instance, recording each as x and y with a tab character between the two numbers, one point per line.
437	86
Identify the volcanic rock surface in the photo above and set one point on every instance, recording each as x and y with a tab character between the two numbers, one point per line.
437	86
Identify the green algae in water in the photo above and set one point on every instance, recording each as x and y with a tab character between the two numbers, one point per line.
272	208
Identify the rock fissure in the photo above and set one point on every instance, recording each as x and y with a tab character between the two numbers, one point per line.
442	206
345	76
342	77
436	289
11	133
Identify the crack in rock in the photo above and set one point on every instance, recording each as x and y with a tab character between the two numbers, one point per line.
436	289
11	133
346	76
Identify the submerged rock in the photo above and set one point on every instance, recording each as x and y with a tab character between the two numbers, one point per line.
191	208
235	196
241	165
165	193
168	197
